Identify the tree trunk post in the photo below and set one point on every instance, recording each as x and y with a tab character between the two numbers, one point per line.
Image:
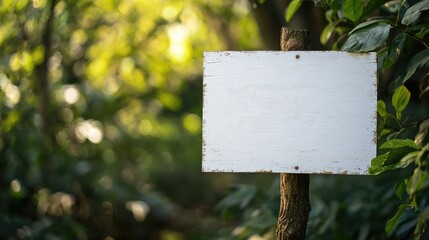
294	188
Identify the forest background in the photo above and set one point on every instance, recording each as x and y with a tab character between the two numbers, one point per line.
100	120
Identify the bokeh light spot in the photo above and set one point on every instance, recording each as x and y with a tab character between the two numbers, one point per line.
15	186
192	123
139	209
71	94
90	130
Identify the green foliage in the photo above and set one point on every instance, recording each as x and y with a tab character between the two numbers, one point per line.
367	36
397	47
240	198
353	9
398	31
110	146
400	154
256	210
413	13
293	7
327	32
416	62
394	154
381	108
400	99
100	117
392	223
341	209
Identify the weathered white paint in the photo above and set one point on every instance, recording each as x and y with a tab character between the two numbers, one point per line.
295	112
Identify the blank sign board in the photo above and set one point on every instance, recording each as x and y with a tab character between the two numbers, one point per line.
292	112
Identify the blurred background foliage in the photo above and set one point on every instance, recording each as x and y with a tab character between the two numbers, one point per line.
100	125
100	116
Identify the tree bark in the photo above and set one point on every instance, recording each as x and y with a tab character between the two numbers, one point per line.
294	188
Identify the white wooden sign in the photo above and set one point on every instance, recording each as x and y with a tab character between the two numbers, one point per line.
294	112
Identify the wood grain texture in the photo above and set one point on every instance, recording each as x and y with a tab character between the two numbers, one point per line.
294	112
295	204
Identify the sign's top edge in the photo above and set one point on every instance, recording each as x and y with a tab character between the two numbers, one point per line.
252	54
287	52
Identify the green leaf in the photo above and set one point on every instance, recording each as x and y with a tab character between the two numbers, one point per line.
399	189
391	122
423	31
413	13
423	130
395	6
381	108
335	4
416	62
379	160
382	59
368	37
330	15
397	46
417	28
239	198
353	9
424	216
424	85
326	33
416	181
377	164
423	157
396	155
400	100
364	25
397	143
375	169
398	158
393	222
394	135
405	161
384	132
293	7
372	5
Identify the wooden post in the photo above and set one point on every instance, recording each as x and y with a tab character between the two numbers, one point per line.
294	188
